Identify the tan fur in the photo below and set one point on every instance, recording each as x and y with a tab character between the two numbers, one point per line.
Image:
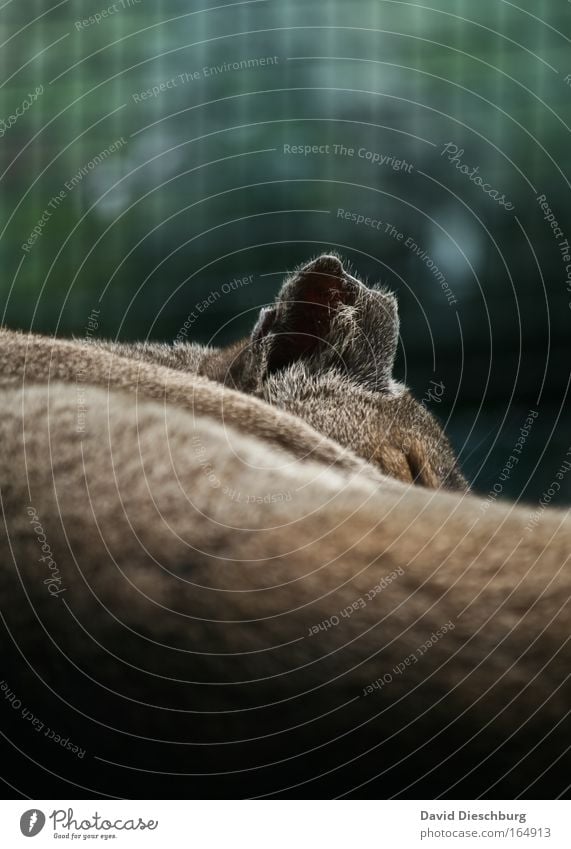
28	359
234	588
173	576
335	342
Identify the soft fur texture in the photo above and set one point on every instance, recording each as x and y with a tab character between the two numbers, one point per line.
210	598
199	631
324	352
26	360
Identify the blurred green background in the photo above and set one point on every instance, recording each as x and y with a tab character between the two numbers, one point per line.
146	202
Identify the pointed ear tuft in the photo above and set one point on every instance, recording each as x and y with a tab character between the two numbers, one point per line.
264	324
300	320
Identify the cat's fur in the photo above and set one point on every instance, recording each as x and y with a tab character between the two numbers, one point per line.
324	352
217	618
218	614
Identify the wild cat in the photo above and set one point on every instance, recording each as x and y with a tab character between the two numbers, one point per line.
209	615
214	599
323	352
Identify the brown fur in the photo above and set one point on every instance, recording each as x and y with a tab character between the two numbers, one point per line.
194	605
323	352
27	359
224	603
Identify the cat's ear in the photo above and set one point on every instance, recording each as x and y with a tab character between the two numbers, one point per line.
299	322
326	317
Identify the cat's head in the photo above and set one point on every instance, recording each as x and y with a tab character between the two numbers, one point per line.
325	318
325	350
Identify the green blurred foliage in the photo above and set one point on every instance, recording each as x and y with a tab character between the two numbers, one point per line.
202	193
